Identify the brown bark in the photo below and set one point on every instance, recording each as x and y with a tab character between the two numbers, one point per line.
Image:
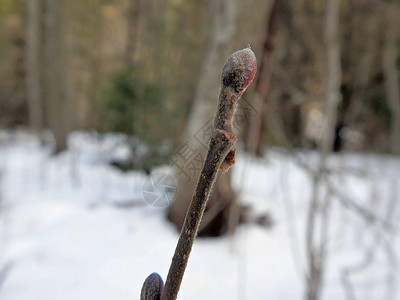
56	72
391	74
48	88
263	83
237	74
133	31
34	50
220	145
94	91
334	73
364	50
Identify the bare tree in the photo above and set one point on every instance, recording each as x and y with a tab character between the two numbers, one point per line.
364	49
263	83
56	74
34	50
391	73
320	202
95	66
132	32
48	87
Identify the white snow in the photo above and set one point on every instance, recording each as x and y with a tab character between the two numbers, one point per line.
65	235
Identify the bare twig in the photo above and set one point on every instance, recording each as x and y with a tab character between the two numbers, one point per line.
370	253
367	215
319	208
291	218
237	74
4	271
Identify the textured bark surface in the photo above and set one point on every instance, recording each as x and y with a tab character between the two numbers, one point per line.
237	74
152	287
220	145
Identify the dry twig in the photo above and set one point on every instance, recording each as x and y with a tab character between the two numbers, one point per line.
237	74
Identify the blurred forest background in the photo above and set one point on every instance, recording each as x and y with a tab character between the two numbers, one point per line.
327	81
133	67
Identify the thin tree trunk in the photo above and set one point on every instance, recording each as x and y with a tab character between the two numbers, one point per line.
56	73
263	83
391	73
132	33
368	28
334	73
34	48
223	17
95	67
319	208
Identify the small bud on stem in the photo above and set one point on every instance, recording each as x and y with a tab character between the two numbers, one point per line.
152	287
237	74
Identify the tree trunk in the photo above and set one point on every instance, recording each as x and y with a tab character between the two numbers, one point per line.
263	83
34	50
391	73
320	203
364	64
56	72
95	70
132	33
200	119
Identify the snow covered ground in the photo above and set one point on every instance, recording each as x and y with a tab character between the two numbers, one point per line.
65	235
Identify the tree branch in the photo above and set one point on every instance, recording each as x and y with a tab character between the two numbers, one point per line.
237	74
